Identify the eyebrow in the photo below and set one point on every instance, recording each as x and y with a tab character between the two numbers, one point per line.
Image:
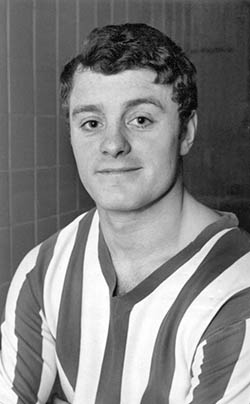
147	100
129	104
86	108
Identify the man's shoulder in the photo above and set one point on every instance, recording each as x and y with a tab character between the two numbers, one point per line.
80	222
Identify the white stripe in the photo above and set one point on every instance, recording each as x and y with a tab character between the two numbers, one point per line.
238	389
49	366
54	279
196	368
200	313
145	321
66	386
9	339
95	321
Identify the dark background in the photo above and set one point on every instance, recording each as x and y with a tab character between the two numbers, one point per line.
39	188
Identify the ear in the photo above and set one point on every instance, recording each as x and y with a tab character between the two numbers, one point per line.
188	135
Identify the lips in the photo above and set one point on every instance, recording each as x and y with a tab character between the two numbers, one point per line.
117	170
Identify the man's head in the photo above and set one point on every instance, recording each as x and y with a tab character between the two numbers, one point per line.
131	97
116	48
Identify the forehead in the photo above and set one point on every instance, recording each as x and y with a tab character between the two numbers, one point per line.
92	87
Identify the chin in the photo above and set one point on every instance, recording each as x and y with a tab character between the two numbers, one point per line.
117	204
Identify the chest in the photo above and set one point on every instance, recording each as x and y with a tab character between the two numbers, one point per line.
131	274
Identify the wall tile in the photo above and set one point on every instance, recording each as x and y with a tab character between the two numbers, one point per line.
103	12
67	43
46	192
5	273
181	14
87	18
22	141
22	196
4	144
157	14
67	186
168	17
65	150
46	227
120	11
66	218
138	11
4	199
67	31
85	200
3	58
46	56
23	241
21	56
46	141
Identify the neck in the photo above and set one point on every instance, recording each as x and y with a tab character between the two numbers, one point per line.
156	228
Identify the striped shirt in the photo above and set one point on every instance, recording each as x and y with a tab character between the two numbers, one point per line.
181	336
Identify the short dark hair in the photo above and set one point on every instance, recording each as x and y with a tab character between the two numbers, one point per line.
115	48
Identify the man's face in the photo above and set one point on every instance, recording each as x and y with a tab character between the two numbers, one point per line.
125	137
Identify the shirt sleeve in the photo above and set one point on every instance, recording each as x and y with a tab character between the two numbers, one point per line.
221	367
27	359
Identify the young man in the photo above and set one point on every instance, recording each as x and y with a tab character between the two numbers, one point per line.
146	298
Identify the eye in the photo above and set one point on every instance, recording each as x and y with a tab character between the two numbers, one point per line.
141	122
90	124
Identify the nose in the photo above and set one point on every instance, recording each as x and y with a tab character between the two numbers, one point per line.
115	142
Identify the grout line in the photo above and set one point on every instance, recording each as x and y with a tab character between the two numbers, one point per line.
57	118
247	6
77	50
152	16
95	13
9	136
35	124
77	26
127	10
42	219
163	22
28	169
112	11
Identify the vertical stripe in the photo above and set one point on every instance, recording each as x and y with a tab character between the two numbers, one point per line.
201	316
9	339
49	363
196	368
237	308
95	321
64	383
145	321
227	250
109	389
28	328
238	388
220	356
69	326
55	275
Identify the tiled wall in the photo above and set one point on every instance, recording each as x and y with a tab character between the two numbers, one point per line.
39	188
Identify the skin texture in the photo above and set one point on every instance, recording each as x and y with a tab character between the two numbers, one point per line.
127	150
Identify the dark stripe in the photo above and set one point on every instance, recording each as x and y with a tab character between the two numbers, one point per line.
220	357
69	319
109	389
236	309
106	264
224	336
28	327
227	250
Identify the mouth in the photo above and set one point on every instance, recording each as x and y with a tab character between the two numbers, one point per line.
122	170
